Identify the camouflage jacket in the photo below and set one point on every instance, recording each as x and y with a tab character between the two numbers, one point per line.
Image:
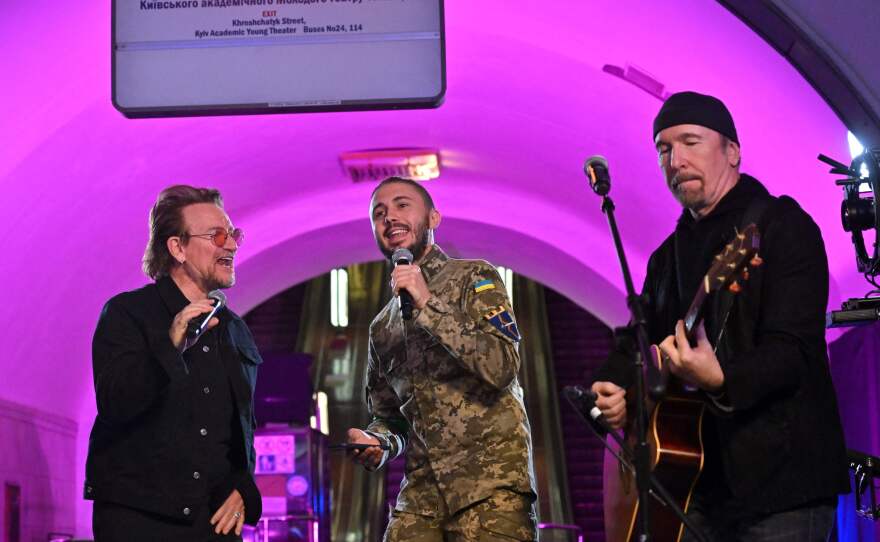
444	387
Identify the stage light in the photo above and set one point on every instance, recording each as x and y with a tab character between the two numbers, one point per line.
507	278
320	421
855	147
339	297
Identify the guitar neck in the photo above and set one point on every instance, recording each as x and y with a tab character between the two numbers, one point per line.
695	313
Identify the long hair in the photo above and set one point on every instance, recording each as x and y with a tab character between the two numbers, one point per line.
166	220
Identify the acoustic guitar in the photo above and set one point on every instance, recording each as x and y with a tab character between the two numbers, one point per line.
674	424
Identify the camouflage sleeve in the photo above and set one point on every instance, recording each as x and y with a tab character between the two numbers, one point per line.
481	333
388	425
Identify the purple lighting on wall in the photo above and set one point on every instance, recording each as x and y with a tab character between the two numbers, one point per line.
527	101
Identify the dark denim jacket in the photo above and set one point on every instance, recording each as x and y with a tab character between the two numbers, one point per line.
140	450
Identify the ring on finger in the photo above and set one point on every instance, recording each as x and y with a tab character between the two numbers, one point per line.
236	515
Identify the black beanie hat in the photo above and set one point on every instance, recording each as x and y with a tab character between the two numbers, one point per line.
694	108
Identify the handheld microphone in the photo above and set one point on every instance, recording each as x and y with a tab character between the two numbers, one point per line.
585	401
403	256
199	324
596	168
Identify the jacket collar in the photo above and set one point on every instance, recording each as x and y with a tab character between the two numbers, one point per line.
737	198
171	295
175	301
433	263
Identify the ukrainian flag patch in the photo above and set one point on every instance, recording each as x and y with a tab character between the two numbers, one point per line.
484	285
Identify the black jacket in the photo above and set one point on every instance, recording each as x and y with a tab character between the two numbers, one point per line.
142	448
782	445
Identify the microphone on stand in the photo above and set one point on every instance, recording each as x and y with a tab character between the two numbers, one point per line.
585	402
403	256
596	168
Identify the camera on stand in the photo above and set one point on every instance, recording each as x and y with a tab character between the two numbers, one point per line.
859	213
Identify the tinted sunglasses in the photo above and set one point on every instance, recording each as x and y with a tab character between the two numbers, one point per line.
219	237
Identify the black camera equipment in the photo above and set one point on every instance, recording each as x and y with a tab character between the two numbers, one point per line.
859	212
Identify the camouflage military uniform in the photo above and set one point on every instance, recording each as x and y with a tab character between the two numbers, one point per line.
444	386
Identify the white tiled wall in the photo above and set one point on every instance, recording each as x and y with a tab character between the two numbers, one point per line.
38	453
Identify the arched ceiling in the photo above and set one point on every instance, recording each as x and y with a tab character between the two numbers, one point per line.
832	44
527	101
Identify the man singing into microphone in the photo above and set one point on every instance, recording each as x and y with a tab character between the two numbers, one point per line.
443	386
171	452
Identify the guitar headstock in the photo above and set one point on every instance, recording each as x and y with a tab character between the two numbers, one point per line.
733	263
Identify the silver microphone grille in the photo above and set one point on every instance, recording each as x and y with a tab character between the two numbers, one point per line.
400	255
219	296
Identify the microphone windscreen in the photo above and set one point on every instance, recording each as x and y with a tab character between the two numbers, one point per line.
402	255
596	160
219	296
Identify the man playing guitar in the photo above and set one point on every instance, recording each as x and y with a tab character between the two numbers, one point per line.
773	457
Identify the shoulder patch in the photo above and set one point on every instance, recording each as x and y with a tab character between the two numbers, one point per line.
503	321
484	285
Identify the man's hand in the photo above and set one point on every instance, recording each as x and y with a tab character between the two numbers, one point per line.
177	333
229	515
410	278
611	400
370	457
697	366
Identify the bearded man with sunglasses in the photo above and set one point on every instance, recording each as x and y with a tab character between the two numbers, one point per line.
171	452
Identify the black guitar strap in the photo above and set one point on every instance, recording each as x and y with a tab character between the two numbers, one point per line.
756	213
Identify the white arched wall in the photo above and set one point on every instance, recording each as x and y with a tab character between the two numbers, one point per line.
298	239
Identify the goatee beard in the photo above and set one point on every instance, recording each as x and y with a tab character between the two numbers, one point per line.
418	248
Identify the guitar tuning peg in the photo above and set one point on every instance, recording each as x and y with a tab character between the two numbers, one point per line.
731	265
756	261
721	278
745	274
735	287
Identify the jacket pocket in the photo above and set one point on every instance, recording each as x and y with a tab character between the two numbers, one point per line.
507	525
250	354
757	447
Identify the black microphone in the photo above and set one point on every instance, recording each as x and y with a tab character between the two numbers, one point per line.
596	168
585	401
199	324
403	256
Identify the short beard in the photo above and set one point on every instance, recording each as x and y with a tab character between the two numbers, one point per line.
216	284
418	248
691	201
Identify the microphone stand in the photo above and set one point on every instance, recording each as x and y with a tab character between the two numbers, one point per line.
596	169
638	324
600	428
